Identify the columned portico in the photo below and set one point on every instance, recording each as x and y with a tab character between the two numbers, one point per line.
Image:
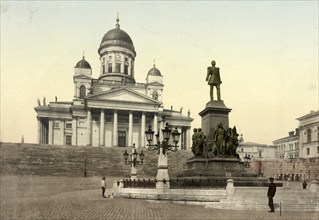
115	125
130	129
39	131
143	130
62	131
187	147
102	132
74	132
89	127
50	131
155	127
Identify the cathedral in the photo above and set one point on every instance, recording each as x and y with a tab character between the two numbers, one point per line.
112	110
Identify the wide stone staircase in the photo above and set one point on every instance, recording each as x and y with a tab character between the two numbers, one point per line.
40	159
255	198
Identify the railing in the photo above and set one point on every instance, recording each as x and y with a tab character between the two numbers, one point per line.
139	183
196	183
175	183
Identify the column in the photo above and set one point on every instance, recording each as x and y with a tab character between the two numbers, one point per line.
180	138
50	131
62	131
42	134
102	132
188	146
74	132
113	63
39	131
75	91
122	63
89	127
143	130
101	65
130	66
130	129
155	121
115	124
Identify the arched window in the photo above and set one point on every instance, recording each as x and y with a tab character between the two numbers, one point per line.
82	91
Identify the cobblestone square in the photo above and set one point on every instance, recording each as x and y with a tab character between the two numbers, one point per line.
38	197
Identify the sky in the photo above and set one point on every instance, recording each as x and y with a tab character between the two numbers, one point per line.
267	52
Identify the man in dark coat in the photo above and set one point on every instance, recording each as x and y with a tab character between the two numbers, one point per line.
214	80
271	193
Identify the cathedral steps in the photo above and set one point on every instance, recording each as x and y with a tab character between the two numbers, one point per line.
256	199
42	159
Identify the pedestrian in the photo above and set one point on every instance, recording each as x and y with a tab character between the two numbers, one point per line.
304	185
271	193
103	186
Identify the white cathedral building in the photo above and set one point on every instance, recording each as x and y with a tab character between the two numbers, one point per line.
114	109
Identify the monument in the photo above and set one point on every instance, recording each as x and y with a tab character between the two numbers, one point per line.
215	143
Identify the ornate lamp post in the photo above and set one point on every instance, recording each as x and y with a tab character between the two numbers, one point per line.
132	159
162	168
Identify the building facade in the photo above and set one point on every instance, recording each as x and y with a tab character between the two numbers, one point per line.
113	109
288	147
249	151
309	135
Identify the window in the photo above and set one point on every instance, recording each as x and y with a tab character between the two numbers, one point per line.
117	67
68	124
68	140
308	151
260	153
126	69
308	135
82	91
109	67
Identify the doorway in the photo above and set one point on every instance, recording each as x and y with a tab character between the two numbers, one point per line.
122	138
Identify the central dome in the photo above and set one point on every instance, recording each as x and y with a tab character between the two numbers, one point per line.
117	34
117	37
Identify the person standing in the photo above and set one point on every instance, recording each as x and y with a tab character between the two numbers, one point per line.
271	193
304	185
103	186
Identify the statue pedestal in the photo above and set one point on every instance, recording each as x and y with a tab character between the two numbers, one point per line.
214	113
222	167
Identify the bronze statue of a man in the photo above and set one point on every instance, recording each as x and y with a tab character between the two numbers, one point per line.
213	78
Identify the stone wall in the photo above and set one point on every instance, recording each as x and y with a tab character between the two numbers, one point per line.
293	170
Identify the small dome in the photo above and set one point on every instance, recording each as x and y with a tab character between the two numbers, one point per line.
154	72
83	64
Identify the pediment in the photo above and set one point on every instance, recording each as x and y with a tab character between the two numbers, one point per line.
82	76
123	94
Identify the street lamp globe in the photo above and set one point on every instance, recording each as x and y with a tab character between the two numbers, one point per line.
166	132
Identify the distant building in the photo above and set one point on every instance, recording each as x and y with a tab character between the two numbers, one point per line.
113	109
255	151
288	147
309	135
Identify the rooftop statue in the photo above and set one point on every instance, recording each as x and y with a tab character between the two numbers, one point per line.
214	80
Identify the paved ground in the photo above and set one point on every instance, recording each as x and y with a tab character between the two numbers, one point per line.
35	197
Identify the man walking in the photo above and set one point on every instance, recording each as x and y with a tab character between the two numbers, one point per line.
271	193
